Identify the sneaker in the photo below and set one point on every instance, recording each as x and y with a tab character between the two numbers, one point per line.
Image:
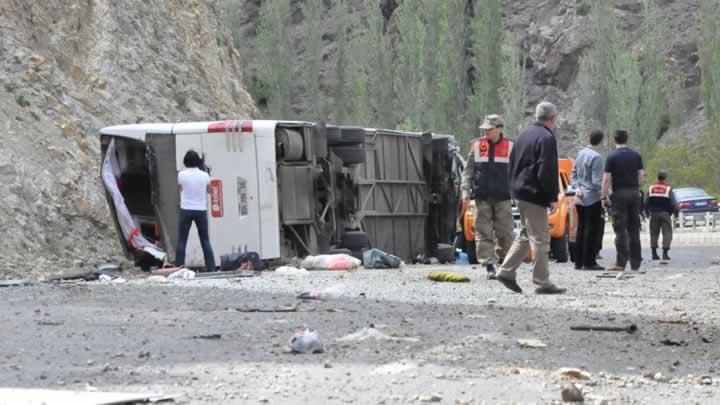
511	285
550	289
491	272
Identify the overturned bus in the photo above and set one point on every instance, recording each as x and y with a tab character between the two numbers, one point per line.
283	189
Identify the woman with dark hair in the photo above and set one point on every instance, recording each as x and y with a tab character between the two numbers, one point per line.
194	186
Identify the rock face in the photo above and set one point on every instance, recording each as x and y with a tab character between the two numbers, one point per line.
554	34
70	67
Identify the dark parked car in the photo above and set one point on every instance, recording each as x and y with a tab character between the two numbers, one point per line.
694	204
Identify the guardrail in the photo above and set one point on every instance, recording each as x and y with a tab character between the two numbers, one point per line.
696	223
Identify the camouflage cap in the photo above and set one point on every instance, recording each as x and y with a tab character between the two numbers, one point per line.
492	121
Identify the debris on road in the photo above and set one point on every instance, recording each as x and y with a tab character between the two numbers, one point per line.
291	271
14	283
157	279
214	336
372	333
571	393
573	373
166	271
90	396
632	328
443	276
292	308
50	323
246	261
430	398
614	274
183	274
377	259
670	342
306	341
531	343
329	262
673	321
226	274
308	295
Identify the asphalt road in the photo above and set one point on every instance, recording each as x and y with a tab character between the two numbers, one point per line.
458	342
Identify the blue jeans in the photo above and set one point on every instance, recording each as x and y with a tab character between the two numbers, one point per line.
187	217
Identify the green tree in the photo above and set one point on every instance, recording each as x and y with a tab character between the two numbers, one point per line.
652	105
410	57
513	88
596	65
380	68
341	90
710	57
275	57
623	92
312	30
487	40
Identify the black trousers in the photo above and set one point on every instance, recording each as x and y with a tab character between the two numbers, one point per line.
589	234
625	209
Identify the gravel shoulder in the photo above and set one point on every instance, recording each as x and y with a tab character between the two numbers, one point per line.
457	343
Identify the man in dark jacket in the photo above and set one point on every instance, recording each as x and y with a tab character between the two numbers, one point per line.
534	184
661	206
486	180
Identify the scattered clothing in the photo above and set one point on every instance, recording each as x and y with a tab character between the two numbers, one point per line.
377	259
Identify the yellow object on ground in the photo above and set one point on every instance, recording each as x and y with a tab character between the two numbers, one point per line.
447	277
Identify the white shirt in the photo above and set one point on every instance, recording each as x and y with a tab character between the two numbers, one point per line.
194	183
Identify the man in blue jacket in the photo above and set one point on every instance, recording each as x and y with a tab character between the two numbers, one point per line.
534	185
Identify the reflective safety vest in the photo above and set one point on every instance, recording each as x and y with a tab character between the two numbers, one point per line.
659	198
491	168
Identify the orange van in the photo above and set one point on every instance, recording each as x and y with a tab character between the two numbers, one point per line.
563	222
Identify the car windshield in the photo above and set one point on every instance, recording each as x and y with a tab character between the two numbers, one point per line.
689	193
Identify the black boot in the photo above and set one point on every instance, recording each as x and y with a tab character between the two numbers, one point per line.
665	254
654	254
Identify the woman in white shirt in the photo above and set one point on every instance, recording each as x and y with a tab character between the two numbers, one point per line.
194	187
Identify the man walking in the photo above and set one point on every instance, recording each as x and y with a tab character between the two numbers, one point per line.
623	175
661	206
587	181
486	180
534	184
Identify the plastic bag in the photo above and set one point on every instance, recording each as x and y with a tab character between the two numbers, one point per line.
377	259
183	274
324	262
290	271
307	341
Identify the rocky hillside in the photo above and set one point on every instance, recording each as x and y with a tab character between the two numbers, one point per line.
70	67
554	35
